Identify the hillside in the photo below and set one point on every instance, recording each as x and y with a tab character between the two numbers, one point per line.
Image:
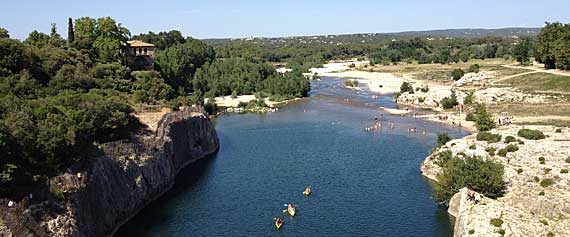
382	37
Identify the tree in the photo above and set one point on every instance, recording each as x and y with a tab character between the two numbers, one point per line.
442	139
37	39
70	33
162	40
4	33
457	73
178	63
483	120
12	56
85	32
55	39
522	51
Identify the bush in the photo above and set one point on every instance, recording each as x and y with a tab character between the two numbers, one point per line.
470	117
211	107
442	139
547	170
541	193
469	99
531	134
406	87
558	130
512	148
457	73
501	232
474	68
541	160
564	171
536	179
502	152
550	234
497	222
519	170
449	102
510	139
491	150
471	231
568	160
441	158
485	177
473	147
489	137
484	121
234	94
546	182
544	222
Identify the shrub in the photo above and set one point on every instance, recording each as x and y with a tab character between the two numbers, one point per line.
491	150
211	107
470	117
473	147
502	152
351	83
469	99
488	137
550	234
541	160
474	68
449	102
531	134
421	99
406	87
352	65
442	139
501	232
484	121
424	89
512	148
482	176
497	222
471	231
234	94
568	160
544	222
546	182
564	171
541	193
457	73
558	130
547	170
441	158
519	171
510	139
536	179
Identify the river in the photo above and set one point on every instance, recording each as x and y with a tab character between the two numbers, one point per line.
364	183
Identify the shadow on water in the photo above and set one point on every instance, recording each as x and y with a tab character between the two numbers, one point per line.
154	213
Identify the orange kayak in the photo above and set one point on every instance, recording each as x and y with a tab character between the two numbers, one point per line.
291	209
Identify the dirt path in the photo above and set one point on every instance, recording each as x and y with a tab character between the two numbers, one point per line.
539	69
540	118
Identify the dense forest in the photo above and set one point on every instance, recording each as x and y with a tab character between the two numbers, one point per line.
59	97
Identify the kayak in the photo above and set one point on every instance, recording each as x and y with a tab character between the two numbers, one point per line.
278	224
307	192
291	209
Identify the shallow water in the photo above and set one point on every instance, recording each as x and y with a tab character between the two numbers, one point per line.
364	183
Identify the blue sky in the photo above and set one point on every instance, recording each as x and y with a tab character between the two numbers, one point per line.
243	18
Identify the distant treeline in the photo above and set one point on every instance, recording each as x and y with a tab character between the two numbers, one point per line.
59	97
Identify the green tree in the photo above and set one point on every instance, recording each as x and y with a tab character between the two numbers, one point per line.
178	63
13	57
522	51
4	33
85	32
70	33
484	120
37	39
55	39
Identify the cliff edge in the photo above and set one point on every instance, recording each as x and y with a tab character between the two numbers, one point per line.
535	202
96	198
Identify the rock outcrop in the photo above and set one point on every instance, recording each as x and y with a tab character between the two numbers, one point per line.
94	200
530	206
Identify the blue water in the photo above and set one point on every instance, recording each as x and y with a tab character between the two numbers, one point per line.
364	183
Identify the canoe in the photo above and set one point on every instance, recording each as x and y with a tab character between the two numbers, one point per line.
291	210
278	224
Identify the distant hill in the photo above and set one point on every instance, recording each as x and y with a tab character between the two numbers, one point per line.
382	37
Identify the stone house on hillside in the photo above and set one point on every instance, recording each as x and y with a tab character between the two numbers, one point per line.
140	55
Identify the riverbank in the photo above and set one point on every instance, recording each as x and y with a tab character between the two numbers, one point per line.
537	185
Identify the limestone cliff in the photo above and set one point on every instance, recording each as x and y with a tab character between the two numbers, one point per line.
530	206
98	197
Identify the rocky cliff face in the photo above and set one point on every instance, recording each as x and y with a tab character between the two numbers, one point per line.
530	206
96	199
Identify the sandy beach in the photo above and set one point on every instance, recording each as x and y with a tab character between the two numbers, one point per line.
229	102
382	83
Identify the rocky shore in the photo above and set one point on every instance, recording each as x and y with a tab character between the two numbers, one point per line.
94	199
537	191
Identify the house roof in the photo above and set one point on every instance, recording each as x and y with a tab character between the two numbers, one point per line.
138	43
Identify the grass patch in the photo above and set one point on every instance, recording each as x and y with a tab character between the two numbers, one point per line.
540	82
497	222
